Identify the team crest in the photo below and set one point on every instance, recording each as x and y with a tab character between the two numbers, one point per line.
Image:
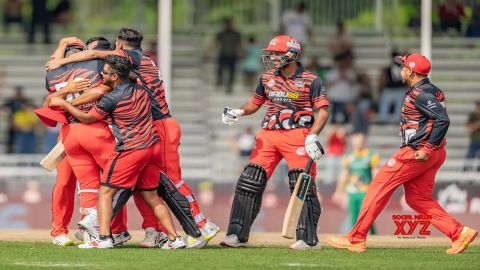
391	162
301	151
271	83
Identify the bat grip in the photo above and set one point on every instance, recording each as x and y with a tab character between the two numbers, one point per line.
309	165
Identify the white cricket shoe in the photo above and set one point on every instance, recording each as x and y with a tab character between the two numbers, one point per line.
209	230
97	243
232	241
90	224
152	238
121	238
62	240
302	245
175	244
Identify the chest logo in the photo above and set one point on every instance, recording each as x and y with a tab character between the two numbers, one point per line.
299	83
271	83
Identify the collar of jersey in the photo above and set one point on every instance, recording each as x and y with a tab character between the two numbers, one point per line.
297	74
421	82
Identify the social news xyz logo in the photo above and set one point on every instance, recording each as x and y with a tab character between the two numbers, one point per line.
407	225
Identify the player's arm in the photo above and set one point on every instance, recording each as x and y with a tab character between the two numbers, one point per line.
59	53
78	114
339	193
91	95
374	164
78	57
73	86
230	116
428	105
318	96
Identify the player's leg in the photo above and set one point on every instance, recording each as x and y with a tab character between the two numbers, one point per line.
249	191
154	232
291	146
171	158
418	194
148	185
401	168
63	202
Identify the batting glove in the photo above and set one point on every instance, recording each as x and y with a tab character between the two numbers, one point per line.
230	116
313	147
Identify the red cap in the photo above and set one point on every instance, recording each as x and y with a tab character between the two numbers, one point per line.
416	62
50	117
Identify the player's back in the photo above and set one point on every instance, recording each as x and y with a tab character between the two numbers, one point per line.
131	119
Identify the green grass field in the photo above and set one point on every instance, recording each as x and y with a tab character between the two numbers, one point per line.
42	255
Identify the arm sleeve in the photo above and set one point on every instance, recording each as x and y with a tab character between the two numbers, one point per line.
103	108
318	94
259	96
428	105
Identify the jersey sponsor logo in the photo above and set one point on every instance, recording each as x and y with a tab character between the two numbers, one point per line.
291	95
431	105
299	83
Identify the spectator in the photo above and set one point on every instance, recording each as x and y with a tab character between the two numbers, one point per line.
12	13
39	15
296	23
251	62
415	22
50	138
25	122
336	143
450	14
361	115
392	91
473	127
359	168
473	29
316	66
243	145
13	105
340	83
62	13
228	42
341	46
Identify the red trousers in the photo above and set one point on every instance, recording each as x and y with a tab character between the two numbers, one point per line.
417	178
273	145
170	134
63	199
88	148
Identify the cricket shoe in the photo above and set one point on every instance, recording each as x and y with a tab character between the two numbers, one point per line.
466	237
343	243
232	241
121	238
90	224
62	240
302	245
152	238
97	243
175	244
209	230
79	234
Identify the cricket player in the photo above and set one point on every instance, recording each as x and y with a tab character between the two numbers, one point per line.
359	167
86	155
135	163
129	43
424	124
289	131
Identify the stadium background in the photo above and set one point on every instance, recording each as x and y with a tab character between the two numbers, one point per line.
209	163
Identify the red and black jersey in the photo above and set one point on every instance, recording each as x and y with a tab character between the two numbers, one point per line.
128	111
57	79
424	118
290	101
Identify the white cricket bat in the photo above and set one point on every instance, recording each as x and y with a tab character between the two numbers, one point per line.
294	209
51	160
